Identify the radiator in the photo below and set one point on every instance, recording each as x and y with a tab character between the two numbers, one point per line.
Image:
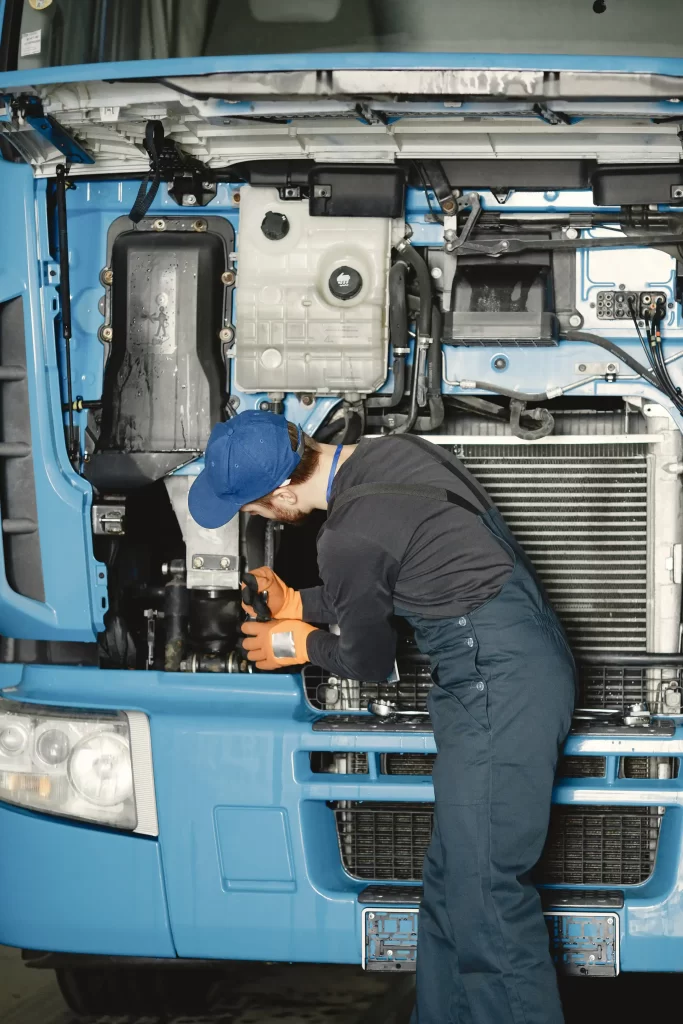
581	514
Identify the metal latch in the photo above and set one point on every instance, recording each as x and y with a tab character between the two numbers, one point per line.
108	520
635	714
674	563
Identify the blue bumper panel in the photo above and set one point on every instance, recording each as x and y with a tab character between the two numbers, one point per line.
70	888
251	860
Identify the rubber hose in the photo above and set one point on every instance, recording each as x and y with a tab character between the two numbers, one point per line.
398	335
484	385
424	284
435	400
547	421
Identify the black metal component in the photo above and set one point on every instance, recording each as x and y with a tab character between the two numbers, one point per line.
440	185
510	246
193	187
391	895
608	899
193	183
214	620
176	617
370	723
63	183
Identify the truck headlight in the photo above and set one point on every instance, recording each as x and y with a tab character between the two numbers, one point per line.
95	766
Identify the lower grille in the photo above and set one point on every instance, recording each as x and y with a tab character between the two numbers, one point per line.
582	767
600	846
407	764
386	842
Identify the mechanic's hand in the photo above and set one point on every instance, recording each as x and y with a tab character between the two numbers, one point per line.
277	644
283	602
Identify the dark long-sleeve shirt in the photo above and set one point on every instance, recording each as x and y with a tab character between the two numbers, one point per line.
382	552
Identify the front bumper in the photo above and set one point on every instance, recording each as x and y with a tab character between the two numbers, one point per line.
247	863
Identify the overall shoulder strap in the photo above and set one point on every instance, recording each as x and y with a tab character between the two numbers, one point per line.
413	490
433	450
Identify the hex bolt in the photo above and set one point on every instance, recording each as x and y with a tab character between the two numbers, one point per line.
197	562
500	363
107	275
575	320
228	277
225	563
611	367
189	200
208	186
448	205
264	406
159	225
307	399
449	235
582	367
371	916
200	225
226	334
107	333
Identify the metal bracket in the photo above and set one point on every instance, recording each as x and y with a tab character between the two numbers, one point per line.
31	109
108	520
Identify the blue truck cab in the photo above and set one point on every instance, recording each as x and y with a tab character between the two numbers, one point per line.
205	211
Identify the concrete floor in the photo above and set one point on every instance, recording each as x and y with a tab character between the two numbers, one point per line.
288	994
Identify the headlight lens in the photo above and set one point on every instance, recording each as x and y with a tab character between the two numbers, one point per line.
69	762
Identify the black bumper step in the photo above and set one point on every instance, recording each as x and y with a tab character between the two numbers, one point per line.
552	899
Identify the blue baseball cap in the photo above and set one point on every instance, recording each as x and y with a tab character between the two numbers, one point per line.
246	458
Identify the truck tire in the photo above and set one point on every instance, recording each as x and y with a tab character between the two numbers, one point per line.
144	991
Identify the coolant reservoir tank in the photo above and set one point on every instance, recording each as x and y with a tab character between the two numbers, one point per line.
311	299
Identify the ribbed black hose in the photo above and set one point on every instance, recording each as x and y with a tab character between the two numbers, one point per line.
398	335
424	284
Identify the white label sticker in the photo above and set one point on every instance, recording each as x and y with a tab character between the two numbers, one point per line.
30	43
109	113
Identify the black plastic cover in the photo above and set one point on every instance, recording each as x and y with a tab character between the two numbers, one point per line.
505	306
638	186
521	175
357	191
500	329
165	380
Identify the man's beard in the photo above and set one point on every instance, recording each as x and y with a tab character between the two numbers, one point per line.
293	518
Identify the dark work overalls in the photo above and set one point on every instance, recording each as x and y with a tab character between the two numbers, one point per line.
501	707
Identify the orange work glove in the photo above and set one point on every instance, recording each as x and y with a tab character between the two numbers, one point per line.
277	644
283	602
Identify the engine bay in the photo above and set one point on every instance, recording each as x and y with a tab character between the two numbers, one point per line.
506	283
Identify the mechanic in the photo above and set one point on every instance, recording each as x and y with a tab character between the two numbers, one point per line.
411	533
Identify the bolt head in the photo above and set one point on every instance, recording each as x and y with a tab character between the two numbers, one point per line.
264	406
226	334
571	233
582	367
611	367
107	276
159	225
575	320
449	235
107	333
189	200
228	277
500	363
225	563
307	399
197	562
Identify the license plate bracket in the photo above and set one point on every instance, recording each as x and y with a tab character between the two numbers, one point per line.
581	945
